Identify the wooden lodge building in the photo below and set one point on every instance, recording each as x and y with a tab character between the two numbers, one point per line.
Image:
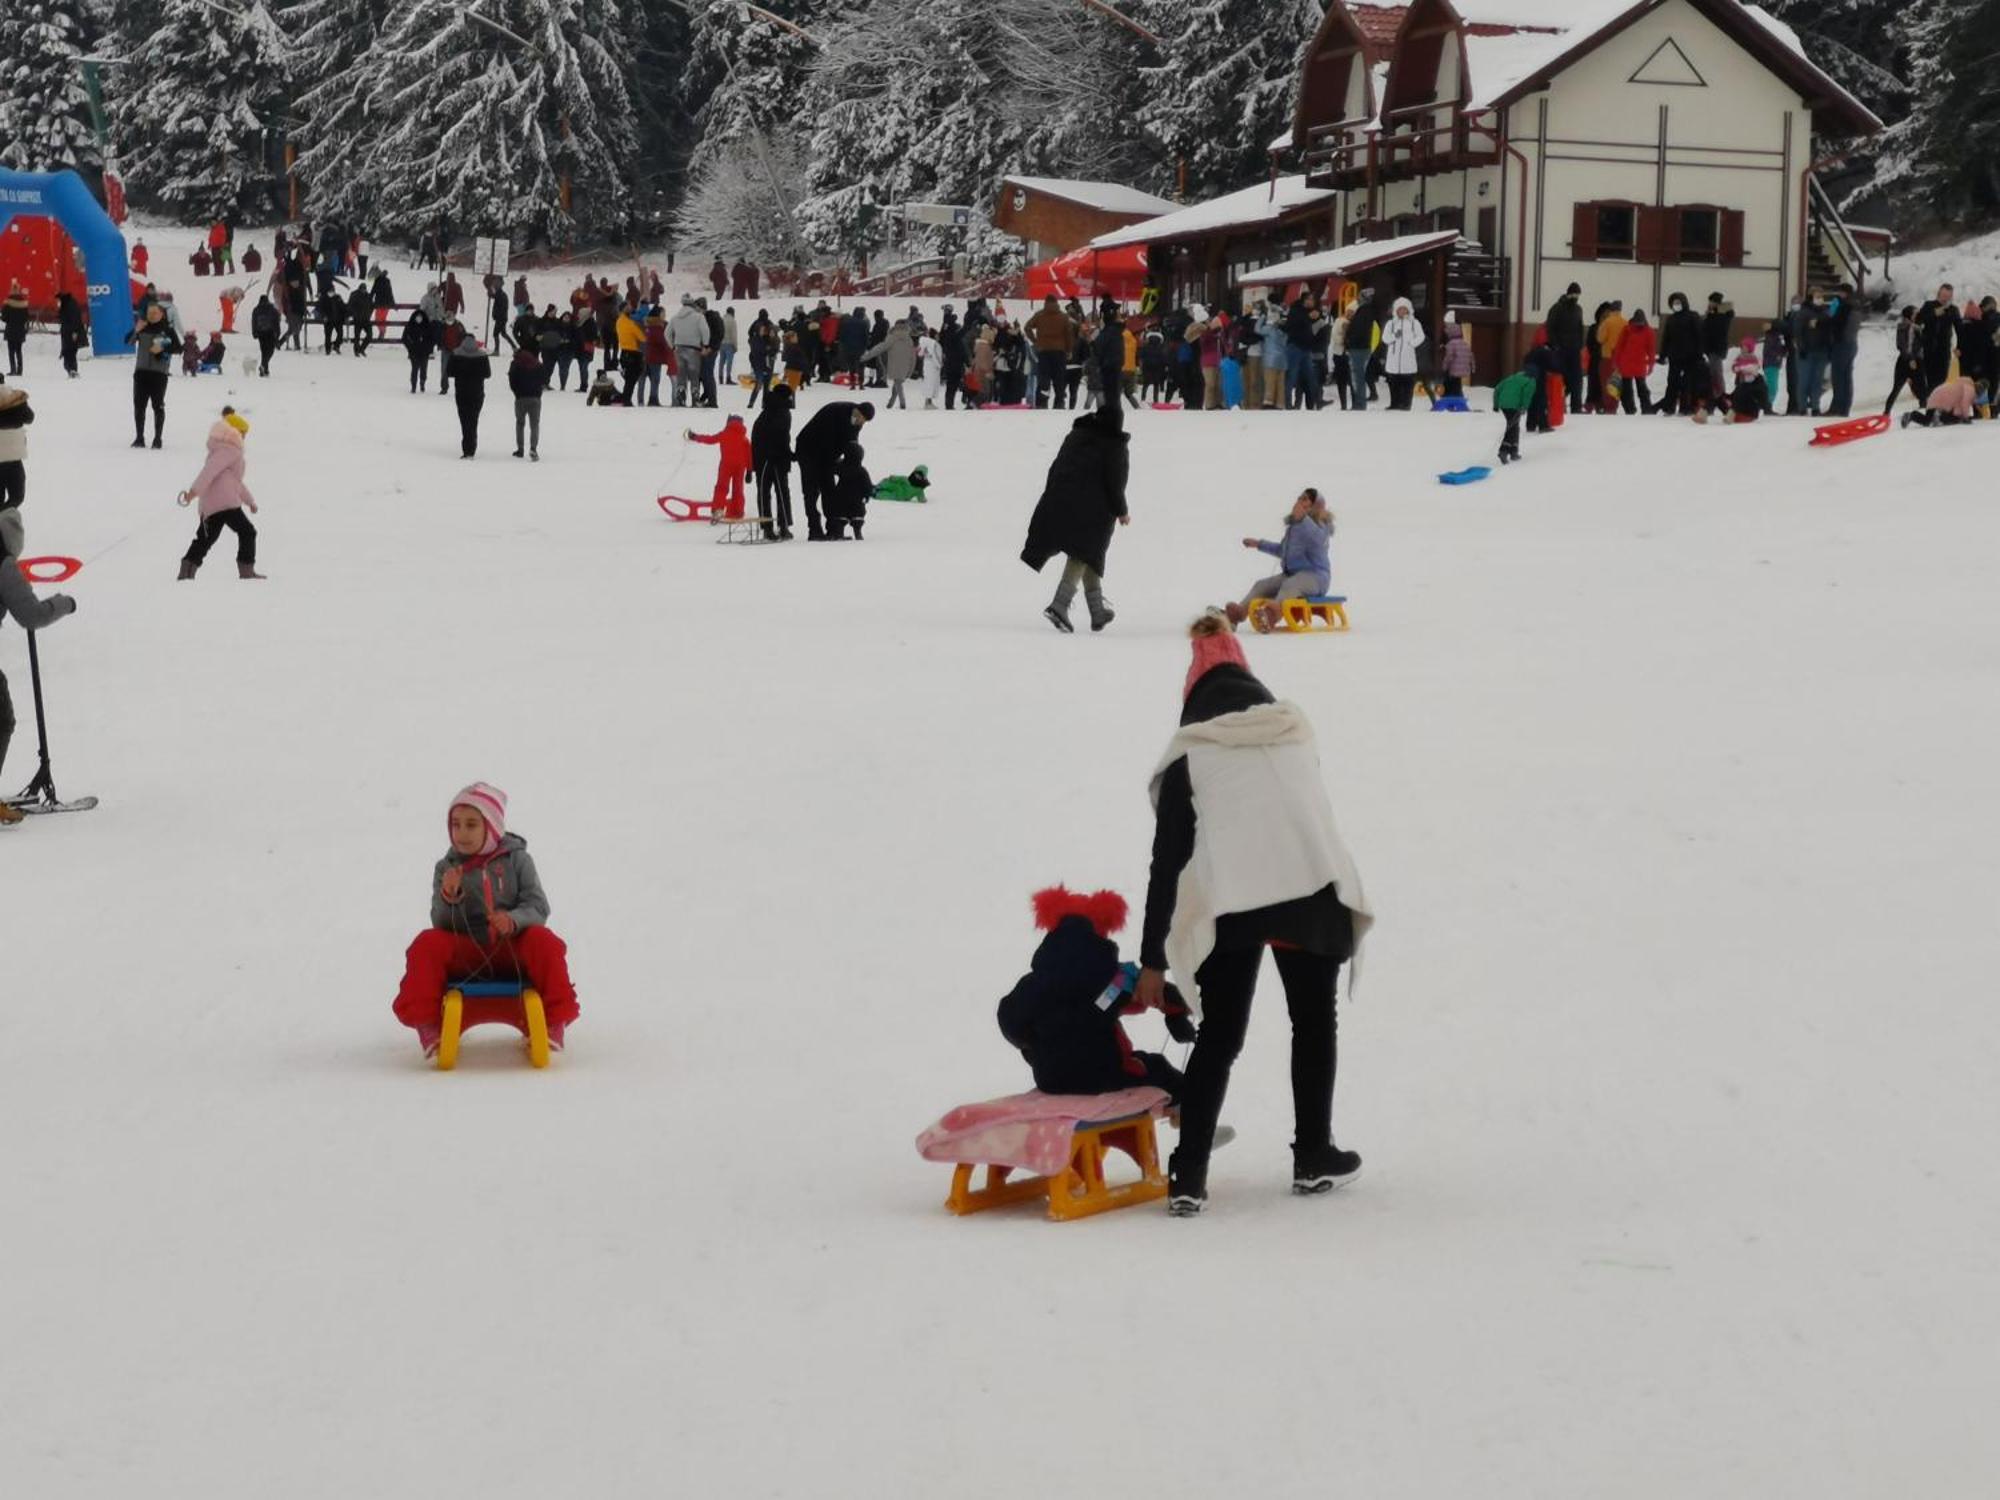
1636	147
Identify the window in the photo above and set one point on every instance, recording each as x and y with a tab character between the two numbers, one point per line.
1617	231
1700	237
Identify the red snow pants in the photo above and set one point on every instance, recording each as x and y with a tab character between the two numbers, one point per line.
728	496
437	957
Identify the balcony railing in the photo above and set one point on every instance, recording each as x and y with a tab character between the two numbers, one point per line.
1334	157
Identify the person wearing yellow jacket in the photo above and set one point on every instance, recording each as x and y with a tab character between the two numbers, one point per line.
1610	329
631	353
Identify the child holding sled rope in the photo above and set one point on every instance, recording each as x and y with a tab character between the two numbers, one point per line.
222	496
489	919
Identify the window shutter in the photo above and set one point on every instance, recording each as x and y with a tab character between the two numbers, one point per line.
1659	228
1729	248
1583	232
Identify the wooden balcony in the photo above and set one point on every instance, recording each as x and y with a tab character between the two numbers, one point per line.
1334	158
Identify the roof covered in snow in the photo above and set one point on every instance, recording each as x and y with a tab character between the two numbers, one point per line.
1263	204
1351	258
1112	197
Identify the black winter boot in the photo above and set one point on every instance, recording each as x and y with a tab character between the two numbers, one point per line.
187	570
1321	1169
1187	1192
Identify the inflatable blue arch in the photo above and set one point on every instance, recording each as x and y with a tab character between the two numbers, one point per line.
63	197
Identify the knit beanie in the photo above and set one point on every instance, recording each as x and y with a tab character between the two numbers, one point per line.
237	420
491	804
1215	645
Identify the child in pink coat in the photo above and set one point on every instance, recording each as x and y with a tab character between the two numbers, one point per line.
223	497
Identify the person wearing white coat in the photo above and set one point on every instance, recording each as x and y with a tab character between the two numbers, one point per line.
1402	337
1246	857
931	358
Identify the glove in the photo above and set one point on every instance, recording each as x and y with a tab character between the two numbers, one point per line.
1180	1026
64	605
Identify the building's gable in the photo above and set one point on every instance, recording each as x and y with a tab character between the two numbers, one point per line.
1667	66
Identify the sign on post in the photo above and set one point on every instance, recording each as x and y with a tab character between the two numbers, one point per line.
489	257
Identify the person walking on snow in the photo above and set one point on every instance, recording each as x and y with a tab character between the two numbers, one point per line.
1246	856
489	919
154	346
1083	501
221	497
14	322
527	379
734	468
1402	337
469	370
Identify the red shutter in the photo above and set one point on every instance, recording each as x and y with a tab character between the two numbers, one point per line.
1729	244
1655	224
1583	232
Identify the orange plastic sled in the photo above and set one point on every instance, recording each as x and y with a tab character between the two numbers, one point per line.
1834	433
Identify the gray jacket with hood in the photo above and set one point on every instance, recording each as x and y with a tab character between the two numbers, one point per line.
504	881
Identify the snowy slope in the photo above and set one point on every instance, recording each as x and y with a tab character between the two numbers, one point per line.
1667	756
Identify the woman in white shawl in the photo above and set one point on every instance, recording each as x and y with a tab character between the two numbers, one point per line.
1246	857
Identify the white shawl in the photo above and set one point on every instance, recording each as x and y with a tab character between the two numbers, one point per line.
1264	830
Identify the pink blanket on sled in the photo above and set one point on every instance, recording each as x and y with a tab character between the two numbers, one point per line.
1029	1131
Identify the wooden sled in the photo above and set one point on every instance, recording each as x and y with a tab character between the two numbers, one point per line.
507	1002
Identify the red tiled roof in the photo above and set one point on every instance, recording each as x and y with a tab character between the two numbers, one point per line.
1379	25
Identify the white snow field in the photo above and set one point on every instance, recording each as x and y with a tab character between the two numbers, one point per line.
1668	757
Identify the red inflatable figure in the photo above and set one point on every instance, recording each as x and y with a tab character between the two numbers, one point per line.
734	440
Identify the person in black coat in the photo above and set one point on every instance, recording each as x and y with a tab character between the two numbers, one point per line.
821	443
847	501
468	373
1937	332
771	462
1064	1013
420	336
360	308
762	350
951	358
1082	500
265	328
69	325
1680	348
1542	362
1565	325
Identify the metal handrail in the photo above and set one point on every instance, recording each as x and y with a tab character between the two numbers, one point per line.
1829	217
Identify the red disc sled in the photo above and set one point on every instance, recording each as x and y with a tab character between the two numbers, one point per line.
1834	433
680	508
65	568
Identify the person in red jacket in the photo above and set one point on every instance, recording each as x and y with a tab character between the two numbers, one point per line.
141	257
734	440
1635	356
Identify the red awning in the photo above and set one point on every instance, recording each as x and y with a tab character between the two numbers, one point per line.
1087	274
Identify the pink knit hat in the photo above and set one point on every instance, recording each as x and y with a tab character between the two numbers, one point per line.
1212	651
491	804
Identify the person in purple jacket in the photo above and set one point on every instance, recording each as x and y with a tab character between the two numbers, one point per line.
1303	554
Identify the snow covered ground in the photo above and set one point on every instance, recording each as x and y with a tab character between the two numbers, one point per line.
1668	757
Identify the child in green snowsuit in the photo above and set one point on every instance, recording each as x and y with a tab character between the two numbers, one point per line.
912	486
1511	397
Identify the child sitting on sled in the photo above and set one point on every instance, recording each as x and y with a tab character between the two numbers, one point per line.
1303	556
734	440
488	921
914	486
1064	1014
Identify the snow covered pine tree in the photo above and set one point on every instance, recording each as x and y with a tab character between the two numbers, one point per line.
44	109
198	104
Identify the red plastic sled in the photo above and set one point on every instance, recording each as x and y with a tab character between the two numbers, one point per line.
680	508
64	569
1834	433
1558	400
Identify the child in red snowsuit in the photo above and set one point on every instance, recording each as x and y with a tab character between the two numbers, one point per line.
488	921
734	440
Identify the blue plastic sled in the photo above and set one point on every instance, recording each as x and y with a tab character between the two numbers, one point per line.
1465	476
1450	403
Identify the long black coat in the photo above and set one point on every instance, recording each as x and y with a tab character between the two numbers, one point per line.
1085	492
771	433
1680	335
826	436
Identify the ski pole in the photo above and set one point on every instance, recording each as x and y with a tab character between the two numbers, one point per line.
43	785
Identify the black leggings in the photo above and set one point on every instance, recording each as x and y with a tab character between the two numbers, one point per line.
205	536
149	388
1226	982
774	494
13	483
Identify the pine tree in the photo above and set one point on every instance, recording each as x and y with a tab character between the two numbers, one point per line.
44	106
1938	163
485	118
936	100
328	39
1856	43
1224	84
197	102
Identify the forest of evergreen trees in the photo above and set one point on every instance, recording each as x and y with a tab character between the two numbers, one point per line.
795	127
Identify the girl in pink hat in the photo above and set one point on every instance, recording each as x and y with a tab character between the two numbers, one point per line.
489	920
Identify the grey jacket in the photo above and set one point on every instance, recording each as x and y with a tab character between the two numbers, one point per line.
898	351
507	882
16	598
688	329
157	346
